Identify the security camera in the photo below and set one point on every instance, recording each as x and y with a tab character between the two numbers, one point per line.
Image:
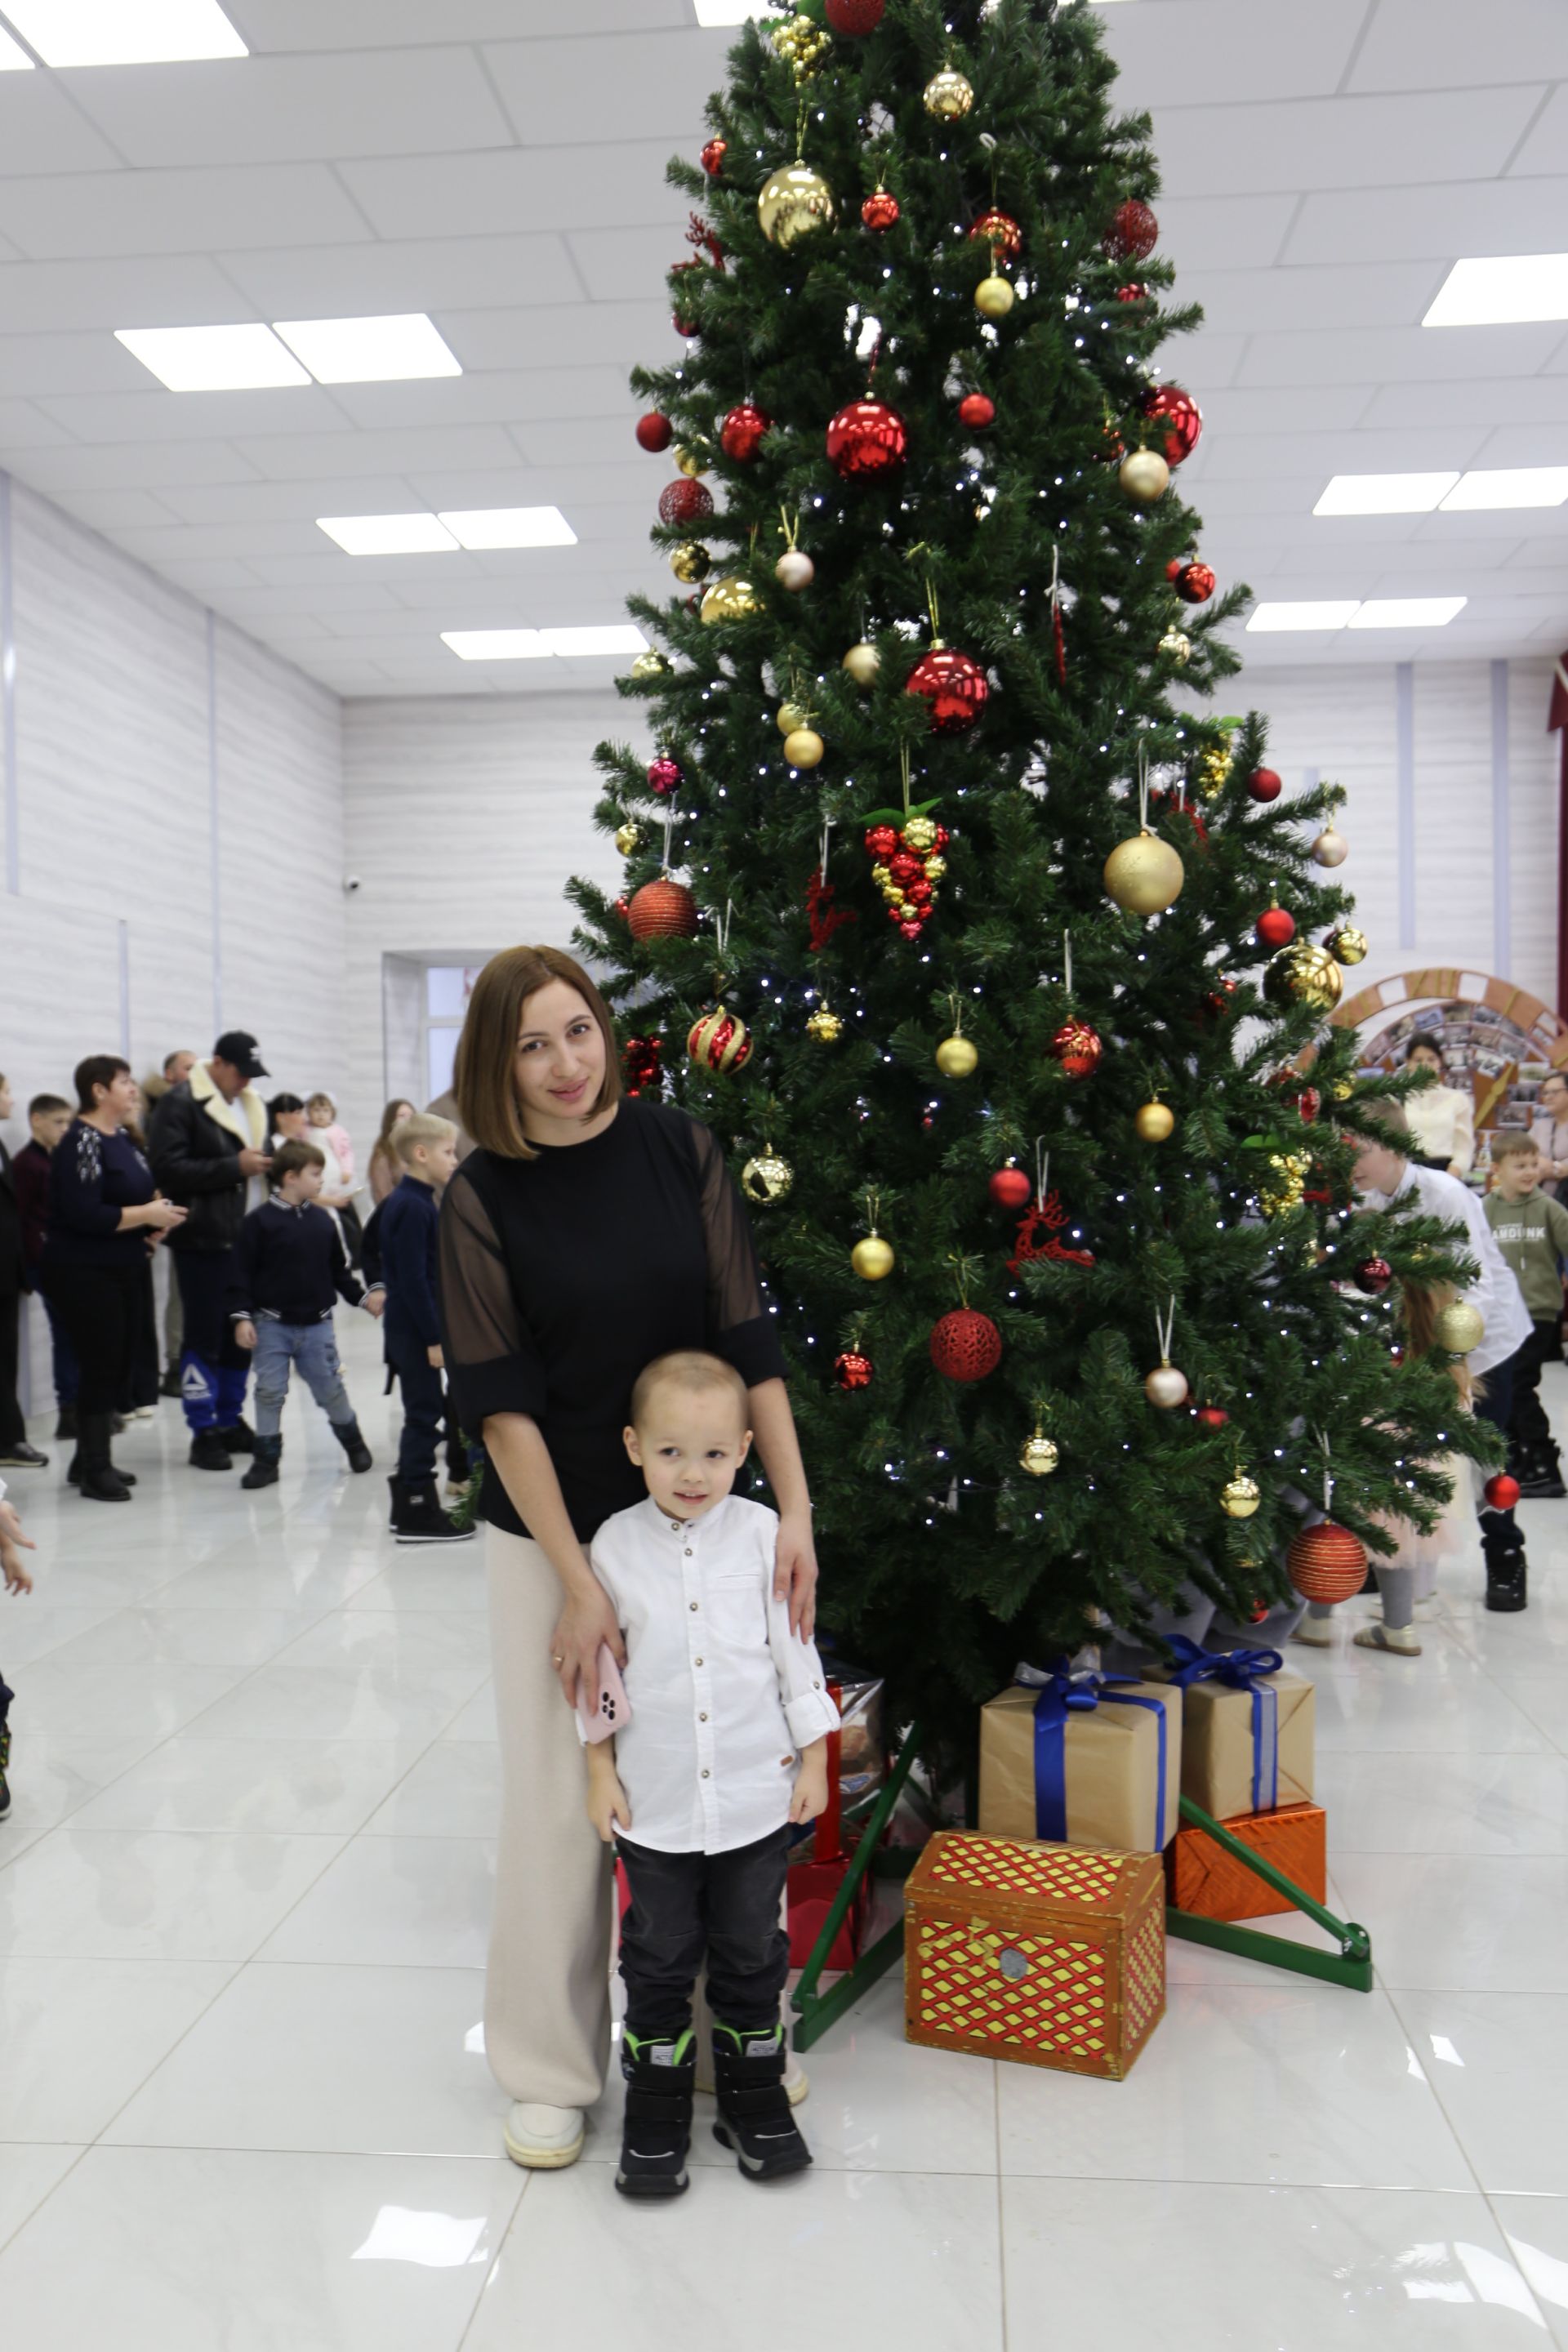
350	883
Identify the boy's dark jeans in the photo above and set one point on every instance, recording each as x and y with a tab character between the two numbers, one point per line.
1528	1425
423	1407
686	1908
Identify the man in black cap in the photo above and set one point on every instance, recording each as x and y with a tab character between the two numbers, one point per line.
208	1148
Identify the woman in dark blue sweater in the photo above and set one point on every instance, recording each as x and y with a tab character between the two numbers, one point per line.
104	1212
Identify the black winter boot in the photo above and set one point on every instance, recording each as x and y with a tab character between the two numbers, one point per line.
65	1425
352	1439
1540	1472
417	1516
661	2082
755	2117
99	1480
208	1451
1507	1579
263	1471
239	1437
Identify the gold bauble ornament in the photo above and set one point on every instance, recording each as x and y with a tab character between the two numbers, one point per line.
935	868
649	665
994	296
730	599
628	836
1038	1454
791	715
691	461
1154	1121
881	876
1176	645
1347	945
1239	1496
805	45
863	662
872	1258
919	833
1144	875
1302	974
766	1180
1284	1184
1330	847
1458	1327
803	747
1143	475
795	203
1165	1386
949	96
825	1026
957	1058
692	563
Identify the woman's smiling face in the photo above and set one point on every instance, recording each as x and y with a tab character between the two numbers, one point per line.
558	1066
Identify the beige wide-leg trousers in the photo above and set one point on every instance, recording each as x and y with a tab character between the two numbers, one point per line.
547	1992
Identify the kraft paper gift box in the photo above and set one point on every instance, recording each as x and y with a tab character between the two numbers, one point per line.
1246	1730
1086	1760
1202	1878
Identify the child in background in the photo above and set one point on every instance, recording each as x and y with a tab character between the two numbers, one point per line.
322	1112
426	1151
1531	1231
17	1579
48	1115
725	1745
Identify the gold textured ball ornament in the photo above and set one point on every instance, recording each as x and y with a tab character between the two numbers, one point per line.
1330	847
692	563
628	836
1039	1455
863	662
1239	1496
1155	1122
795	203
825	1026
948	96
920	834
1178	646
730	598
803	747
1144	875
766	1180
873	1258
1459	1326
956	1058
994	296
1347	945
1302	974
1283	1188
791	715
1166	1387
649	665
1143	475
1213	771
691	461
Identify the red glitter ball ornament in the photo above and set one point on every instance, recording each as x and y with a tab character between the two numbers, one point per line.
663	909
1010	1187
1275	927
1263	784
880	212
954	687
1327	1563
713	157
866	439
1501	1491
1178	413
1374	1274
881	840
1077	1049
855	19
1213	1417
1134	233
642	1060
852	1370
1194	582
719	1041
965	1345
976	411
741	433
999	230
665	774
653	432
685	501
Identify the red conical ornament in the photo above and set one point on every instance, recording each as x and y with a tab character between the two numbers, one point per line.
642	1061
1179	415
741	433
663	909
653	432
719	1041
1134	233
1327	1563
866	439
954	687
685	501
965	1345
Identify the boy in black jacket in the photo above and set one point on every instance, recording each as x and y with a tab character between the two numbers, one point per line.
289	1268
408	1217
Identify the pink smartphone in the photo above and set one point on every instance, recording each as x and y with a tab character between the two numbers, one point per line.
611	1709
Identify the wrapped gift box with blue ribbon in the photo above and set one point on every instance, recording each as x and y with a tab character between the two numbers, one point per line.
1084	1760
1248	1725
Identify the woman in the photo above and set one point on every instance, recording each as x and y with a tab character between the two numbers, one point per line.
1442	1118
104	1211
584	1236
384	1172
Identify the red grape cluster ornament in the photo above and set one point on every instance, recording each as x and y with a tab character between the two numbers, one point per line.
905	850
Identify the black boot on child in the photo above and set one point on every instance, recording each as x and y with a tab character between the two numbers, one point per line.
263	1471
755	2117
661	2082
352	1439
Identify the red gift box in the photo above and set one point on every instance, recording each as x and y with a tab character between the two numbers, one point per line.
812	1884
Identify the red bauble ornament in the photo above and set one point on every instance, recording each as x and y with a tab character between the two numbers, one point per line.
719	1041
954	687
713	157
1010	1187
1275	927
1221	1000
1327	1563
1309	1103
1213	1417
653	432
976	411
855	19
965	1345
880	212
1077	1049
740	435
685	500
1501	1491
1178	413
1374	1274
866	439
1134	233
1133	293
622	906
663	909
642	1060
1194	582
665	774
1263	784
881	841
905	867
1000	231
852	1370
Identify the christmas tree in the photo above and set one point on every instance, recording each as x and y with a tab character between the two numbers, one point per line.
991	956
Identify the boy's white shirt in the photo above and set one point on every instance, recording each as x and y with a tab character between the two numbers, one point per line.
1495	1295
723	1695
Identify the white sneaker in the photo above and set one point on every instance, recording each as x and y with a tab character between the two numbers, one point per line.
143	1412
1400	1638
544	2139
797	2081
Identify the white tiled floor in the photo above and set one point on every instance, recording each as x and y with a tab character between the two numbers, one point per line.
243	2095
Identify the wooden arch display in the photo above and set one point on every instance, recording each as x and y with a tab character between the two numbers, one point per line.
1505	1027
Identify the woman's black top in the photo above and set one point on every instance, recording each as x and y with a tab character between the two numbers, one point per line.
92	1177
562	1276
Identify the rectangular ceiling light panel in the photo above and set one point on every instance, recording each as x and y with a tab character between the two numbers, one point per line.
1506	289
1371	494
539	645
511	527
727	12
125	32
399	534
213	359
369	351
1322	613
1407	612
1491	488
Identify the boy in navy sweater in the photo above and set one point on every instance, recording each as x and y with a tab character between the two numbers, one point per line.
289	1268
427	1147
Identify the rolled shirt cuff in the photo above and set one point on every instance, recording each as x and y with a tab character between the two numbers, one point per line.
811	1714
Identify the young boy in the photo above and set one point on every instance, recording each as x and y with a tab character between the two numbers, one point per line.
725	1745
289	1268
17	1579
48	1115
425	1148
1531	1231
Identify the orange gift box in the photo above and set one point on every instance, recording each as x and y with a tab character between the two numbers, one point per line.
1202	1878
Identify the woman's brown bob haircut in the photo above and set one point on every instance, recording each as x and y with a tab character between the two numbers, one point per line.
482	1075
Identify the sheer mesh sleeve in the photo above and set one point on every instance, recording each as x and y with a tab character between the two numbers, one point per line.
740	1328
492	1363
